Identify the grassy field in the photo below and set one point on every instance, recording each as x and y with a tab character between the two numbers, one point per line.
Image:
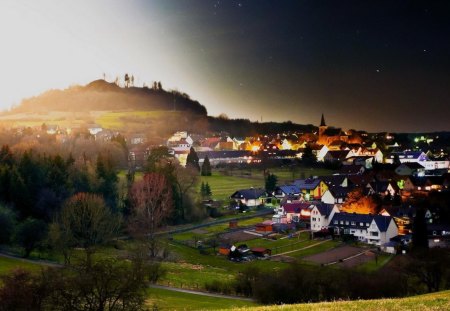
435	301
9	264
118	120
224	184
168	300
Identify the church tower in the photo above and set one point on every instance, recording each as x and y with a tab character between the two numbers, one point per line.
323	127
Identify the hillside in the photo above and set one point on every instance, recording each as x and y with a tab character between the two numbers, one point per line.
435	301
156	112
100	95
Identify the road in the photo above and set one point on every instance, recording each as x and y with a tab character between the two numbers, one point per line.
180	290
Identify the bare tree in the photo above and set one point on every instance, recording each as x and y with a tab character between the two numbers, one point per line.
85	221
151	204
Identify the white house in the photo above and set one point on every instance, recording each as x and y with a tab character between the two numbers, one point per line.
321	215
250	197
371	229
407	156
335	195
410	169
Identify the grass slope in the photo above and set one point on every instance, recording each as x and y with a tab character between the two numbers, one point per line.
435	301
168	300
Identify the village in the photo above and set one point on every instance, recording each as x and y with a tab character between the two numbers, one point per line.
370	199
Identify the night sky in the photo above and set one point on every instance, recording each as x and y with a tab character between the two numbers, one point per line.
373	65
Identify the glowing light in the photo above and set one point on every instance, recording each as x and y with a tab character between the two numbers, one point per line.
255	148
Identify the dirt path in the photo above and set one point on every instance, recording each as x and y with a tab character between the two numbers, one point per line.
180	290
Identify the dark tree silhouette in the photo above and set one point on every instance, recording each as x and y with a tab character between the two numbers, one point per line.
206	167
192	160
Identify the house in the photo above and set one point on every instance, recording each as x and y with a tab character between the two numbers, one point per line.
365	161
311	188
352	170
357	181
335	195
338	155
406	156
94	129
250	197
402	215
426	183
382	188
371	229
438	235
410	169
321	215
227	157
335	180
373	152
286	190
296	211
138	139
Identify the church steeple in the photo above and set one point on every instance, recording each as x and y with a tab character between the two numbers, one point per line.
322	121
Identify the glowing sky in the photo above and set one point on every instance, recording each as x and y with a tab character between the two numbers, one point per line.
374	65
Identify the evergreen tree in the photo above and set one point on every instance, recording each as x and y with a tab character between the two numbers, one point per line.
192	159
271	182
206	167
419	235
208	192
107	179
202	190
308	157
396	160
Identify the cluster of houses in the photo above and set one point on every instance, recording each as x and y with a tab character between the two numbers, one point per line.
318	202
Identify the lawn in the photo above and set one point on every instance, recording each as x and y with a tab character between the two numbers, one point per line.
316	249
222	186
168	300
9	264
192	276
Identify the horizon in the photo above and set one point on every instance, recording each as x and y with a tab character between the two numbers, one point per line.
253	60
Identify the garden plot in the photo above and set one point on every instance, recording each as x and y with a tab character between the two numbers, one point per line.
335	255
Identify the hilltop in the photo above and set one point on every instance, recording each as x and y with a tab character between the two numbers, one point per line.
101	95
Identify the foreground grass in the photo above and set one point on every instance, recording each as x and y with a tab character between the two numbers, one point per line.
168	300
435	301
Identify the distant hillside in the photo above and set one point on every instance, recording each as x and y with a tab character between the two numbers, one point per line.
100	95
435	301
244	127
